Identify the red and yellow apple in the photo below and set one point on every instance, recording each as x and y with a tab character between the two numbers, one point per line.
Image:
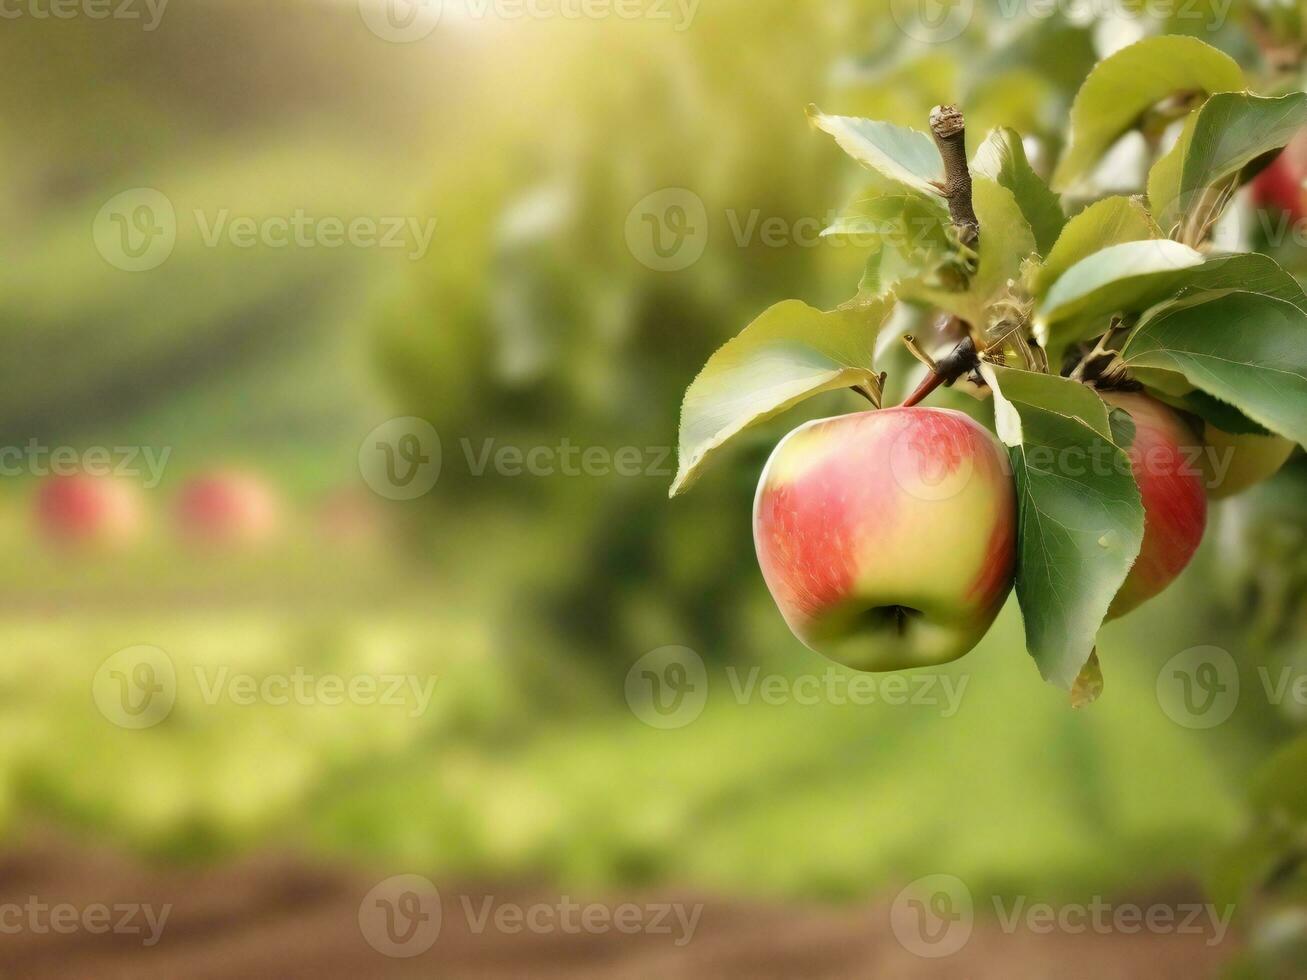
227	508
1234	463
888	538
1164	460
82	510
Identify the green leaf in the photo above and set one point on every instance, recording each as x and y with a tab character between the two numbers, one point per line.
1122	87
1219	140
1003	159
1080	517
904	155
1247	349
1126	277
791	352
1006	241
1250	272
1111	221
908	235
1225	417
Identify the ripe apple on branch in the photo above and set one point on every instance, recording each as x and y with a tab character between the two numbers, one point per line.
1133	371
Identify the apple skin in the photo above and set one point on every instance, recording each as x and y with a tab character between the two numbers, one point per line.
1280	185
1253	459
227	509
85	511
1174	496
888	538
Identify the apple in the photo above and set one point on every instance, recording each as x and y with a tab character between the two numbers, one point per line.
1252	459
84	510
1172	487
888	538
1280	185
227	508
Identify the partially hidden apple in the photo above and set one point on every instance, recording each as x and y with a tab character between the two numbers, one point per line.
1172	487
1235	463
1280	185
888	538
88	511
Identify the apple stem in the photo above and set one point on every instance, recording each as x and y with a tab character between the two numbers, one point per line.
954	365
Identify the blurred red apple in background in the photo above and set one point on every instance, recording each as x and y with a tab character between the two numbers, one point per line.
1165	464
1280	185
83	510
228	508
888	538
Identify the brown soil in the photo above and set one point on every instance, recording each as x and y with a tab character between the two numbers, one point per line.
273	916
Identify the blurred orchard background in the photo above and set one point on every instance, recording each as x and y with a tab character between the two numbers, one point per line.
568	215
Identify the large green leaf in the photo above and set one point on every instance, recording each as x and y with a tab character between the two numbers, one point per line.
1250	272
1006	241
1111	221
1219	139
790	353
908	234
904	155
1127	277
1122	87
1246	349
1081	520
1002	158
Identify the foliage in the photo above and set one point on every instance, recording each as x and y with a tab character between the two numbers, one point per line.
1121	279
